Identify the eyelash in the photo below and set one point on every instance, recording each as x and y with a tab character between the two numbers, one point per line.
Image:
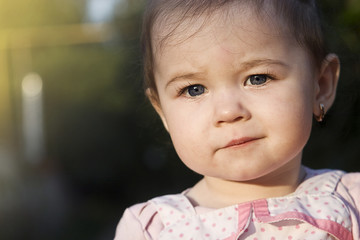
182	90
269	76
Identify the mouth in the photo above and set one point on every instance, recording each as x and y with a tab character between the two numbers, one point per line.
241	142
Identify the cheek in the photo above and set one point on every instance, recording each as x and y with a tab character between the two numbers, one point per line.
188	129
187	117
289	107
294	118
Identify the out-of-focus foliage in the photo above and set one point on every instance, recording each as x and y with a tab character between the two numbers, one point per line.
105	147
22	13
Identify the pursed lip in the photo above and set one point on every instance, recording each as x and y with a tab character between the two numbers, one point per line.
240	141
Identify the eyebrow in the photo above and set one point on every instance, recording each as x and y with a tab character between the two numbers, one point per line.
258	62
186	76
243	66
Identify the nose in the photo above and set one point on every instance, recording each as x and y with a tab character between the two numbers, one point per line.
230	106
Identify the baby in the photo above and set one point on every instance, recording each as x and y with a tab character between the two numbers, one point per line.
236	84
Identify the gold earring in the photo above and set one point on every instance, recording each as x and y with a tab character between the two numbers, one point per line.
320	118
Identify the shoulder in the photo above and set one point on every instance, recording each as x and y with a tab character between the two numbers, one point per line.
346	184
343	187
349	190
144	221
139	222
351	180
350	184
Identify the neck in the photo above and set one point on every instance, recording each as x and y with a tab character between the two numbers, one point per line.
217	193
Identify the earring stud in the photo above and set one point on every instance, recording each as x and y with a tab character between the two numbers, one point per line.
320	118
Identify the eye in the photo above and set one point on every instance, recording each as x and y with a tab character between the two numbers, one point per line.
195	90
257	79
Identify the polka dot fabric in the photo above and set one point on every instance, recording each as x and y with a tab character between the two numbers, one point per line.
313	211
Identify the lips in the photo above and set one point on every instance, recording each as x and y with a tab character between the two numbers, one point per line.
240	142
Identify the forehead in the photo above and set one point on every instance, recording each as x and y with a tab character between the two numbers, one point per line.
242	31
176	27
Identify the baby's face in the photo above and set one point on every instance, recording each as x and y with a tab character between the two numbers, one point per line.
236	98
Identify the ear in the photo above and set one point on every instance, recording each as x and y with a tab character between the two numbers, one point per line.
155	102
327	83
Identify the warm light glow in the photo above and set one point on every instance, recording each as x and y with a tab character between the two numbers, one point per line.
32	85
32	112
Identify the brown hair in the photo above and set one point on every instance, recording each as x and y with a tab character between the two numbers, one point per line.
302	20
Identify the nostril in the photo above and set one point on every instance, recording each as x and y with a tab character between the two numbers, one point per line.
238	118
230	120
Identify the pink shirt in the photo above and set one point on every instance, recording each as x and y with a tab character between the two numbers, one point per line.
324	206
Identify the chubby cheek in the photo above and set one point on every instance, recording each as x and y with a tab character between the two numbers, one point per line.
294	120
189	133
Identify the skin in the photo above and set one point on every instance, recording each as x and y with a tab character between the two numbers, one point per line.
245	137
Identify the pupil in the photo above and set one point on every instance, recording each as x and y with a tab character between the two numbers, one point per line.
196	90
258	79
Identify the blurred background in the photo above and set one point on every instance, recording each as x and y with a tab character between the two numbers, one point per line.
78	140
